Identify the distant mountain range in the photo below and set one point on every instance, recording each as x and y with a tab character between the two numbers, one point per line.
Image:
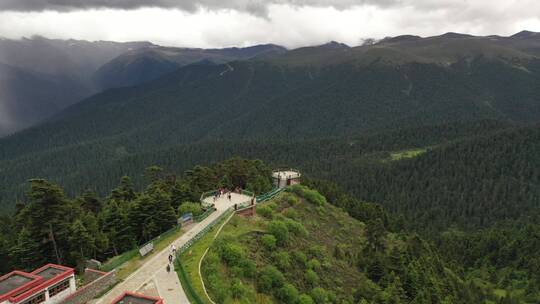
40	76
186	96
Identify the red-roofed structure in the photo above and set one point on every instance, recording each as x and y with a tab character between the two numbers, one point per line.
135	298
49	284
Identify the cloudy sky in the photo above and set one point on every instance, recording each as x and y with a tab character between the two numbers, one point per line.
292	23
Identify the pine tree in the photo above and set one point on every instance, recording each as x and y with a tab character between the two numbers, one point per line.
27	252
81	242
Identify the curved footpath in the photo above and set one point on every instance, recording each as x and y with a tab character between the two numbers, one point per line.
168	284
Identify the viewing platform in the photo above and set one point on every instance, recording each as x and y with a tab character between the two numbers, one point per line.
286	177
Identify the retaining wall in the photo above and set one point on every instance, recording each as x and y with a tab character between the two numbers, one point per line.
96	281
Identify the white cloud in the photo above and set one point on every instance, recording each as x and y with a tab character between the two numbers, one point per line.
305	23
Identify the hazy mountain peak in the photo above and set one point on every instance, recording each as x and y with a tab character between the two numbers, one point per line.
335	45
526	34
453	35
401	38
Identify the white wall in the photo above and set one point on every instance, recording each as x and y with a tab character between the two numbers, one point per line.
59	297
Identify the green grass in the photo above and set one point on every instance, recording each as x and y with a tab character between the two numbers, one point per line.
190	260
129	261
407	154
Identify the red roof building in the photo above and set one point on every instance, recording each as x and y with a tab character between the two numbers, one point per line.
135	298
49	284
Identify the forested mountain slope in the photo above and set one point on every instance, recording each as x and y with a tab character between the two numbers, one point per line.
256	99
99	165
473	183
142	65
82	68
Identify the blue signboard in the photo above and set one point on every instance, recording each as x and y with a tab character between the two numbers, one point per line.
187	217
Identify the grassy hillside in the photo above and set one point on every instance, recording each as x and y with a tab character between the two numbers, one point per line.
301	249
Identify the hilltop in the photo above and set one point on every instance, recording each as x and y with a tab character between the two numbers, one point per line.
302	249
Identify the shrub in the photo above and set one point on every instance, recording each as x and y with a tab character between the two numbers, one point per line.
238	290
317	251
232	254
270	278
280	231
292	200
269	241
314	197
311	277
218	288
291	213
297	228
300	257
282	260
249	268
287	294
319	295
311	196
188	207
265	212
305	299
314	264
272	205
236	271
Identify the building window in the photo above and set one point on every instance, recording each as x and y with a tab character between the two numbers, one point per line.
58	288
40	298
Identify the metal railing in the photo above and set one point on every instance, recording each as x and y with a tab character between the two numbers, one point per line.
182	271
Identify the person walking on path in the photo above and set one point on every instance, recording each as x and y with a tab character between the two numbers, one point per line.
170	258
229	196
173	249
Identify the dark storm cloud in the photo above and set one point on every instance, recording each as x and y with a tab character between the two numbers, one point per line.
253	6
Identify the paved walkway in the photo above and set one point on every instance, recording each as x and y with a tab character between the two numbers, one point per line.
167	284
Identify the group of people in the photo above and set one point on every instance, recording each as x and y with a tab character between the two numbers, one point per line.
172	254
223	191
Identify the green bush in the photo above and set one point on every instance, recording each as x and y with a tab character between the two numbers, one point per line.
311	277
317	251
305	299
282	260
291	213
232	254
280	231
296	228
236	271
270	278
287	294
265	212
292	200
319	295
218	288
300	257
314	264
238	290
249	268
188	207
272	205
269	241
311	196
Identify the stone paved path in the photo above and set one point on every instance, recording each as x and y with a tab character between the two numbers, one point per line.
167	284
